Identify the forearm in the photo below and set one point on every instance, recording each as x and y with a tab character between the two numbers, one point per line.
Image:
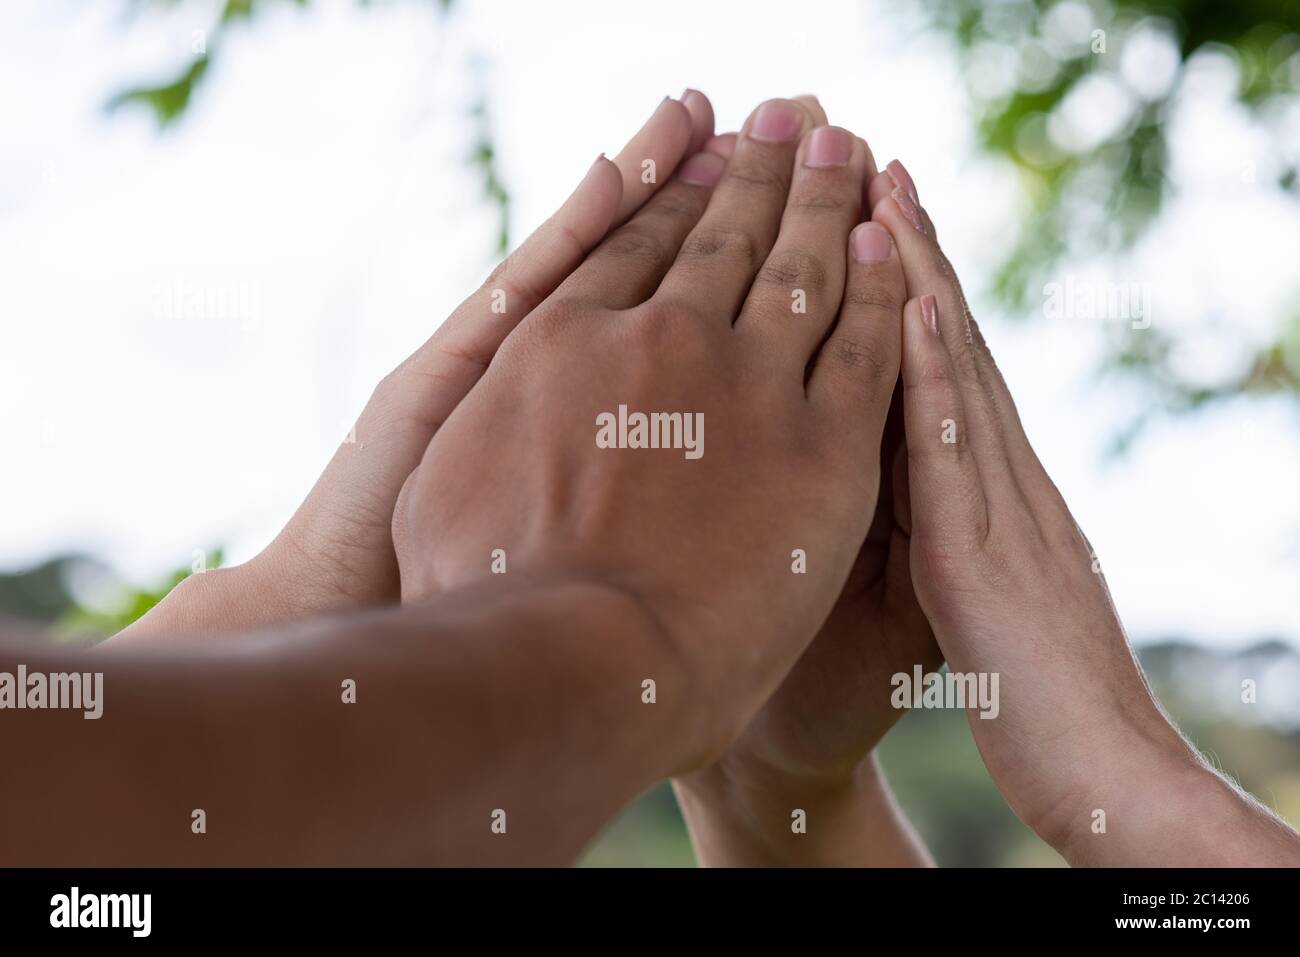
1168	808
747	820
524	701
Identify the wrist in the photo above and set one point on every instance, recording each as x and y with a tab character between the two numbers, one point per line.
1146	798
612	669
743	813
1179	812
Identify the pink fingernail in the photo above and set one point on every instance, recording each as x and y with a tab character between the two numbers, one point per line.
901	177
908	207
829	146
930	313
724	144
776	122
871	243
703	169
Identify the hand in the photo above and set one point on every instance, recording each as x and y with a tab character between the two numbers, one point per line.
1012	587
336	551
810	744
678	316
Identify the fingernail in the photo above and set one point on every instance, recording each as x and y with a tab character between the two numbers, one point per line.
703	169
724	144
829	146
930	313
685	93
776	122
908	207
901	177
871	243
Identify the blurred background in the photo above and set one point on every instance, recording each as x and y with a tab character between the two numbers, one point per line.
222	221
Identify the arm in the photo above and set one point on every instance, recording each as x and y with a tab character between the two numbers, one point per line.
490	699
748	822
336	551
1078	747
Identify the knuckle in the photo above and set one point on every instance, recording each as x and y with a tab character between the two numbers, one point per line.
663	316
668	328
386	393
934	376
875	297
756	177
672	205
718	241
817	202
512	276
861	357
546	323
502	268
793	269
636	243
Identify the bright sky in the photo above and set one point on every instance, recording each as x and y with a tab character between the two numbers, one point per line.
318	188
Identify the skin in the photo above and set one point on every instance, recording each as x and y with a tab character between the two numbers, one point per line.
336	552
308	568
1011	586
499	699
811	745
679	315
759	711
527	659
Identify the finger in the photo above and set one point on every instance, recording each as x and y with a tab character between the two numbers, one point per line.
456	355
818	113
928	271
872	173
459	351
724	144
797	292
908	635
858	363
652	155
701	111
945	495
626	268
878	188
814	108
896	177
718	260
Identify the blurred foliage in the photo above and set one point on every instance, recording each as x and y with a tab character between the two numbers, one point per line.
75	597
1029	62
1033	66
935	770
484	158
168	101
1045	74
